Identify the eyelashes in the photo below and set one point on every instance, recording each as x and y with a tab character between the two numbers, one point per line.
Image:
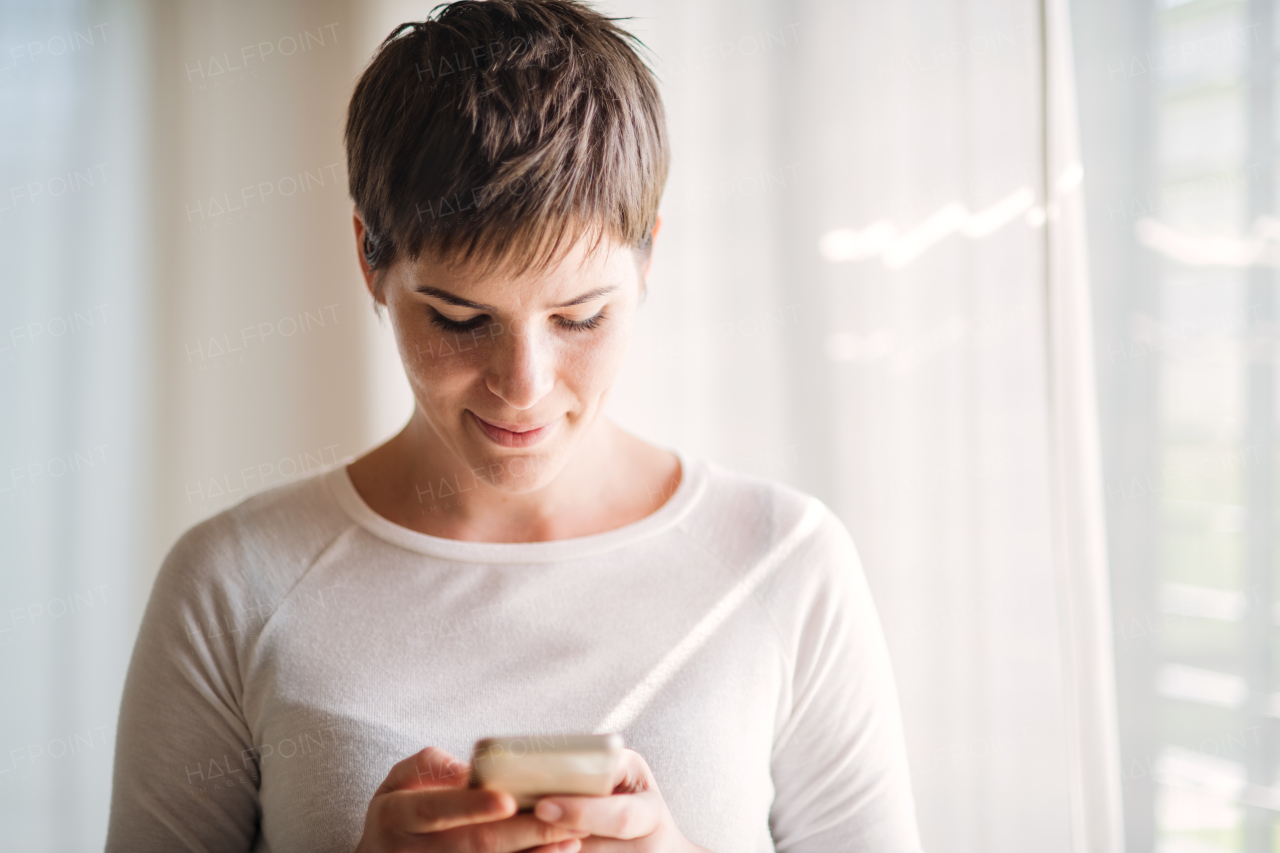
578	325
444	323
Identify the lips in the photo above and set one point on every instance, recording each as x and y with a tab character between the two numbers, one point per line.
513	435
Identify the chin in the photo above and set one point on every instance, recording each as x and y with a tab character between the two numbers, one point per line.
523	471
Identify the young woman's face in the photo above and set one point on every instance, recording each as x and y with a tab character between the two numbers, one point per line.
512	371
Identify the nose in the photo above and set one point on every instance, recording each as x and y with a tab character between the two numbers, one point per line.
521	367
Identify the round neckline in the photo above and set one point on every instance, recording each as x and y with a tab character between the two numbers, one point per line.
682	500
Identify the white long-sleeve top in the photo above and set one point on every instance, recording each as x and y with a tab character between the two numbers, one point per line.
298	645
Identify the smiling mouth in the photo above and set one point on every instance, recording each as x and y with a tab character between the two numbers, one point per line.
513	435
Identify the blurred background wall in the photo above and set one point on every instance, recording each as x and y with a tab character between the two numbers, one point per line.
872	282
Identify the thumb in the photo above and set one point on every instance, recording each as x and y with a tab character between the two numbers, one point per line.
430	768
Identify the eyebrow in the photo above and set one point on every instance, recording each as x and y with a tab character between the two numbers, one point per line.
587	297
446	296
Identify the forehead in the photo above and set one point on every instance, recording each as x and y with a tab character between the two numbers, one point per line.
587	264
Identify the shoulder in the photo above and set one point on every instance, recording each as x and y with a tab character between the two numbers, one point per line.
258	548
798	561
744	516
796	555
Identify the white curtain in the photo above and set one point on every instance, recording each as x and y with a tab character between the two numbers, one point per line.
1075	454
852	293
75	360
869	284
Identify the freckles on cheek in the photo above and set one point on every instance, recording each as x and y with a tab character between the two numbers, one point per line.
446	369
433	364
597	365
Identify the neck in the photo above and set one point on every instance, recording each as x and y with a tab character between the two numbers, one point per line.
610	478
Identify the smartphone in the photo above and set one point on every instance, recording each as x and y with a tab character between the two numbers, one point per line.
530	767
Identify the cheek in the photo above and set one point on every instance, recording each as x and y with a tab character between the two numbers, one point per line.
438	362
592	365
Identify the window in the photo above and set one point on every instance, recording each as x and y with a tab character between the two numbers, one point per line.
1179	141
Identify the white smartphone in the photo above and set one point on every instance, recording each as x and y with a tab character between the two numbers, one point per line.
534	766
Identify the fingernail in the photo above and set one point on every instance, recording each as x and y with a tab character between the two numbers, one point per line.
548	811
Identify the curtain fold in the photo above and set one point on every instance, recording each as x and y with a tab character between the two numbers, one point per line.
1079	528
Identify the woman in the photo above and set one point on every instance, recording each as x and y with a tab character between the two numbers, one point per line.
511	562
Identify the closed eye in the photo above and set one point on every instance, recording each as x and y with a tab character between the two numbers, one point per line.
581	325
442	322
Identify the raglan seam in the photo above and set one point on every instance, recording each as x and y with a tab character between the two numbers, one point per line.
790	661
315	561
755	595
799	691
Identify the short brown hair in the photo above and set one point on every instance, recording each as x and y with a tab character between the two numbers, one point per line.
499	131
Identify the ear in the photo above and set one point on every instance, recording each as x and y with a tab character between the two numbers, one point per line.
648	261
370	278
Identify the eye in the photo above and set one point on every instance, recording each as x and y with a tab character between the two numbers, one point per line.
442	322
581	325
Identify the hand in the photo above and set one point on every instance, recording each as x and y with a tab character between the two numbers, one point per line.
425	805
634	820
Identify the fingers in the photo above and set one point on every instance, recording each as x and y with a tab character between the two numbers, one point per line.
430	768
571	845
619	816
434	810
425	800
633	774
522	832
596	844
635	810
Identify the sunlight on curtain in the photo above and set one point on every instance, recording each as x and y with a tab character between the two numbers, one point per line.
849	293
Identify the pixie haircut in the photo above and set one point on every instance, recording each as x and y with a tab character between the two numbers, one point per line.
496	133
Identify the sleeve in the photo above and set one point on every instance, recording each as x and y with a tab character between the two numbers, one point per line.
186	775
839	763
